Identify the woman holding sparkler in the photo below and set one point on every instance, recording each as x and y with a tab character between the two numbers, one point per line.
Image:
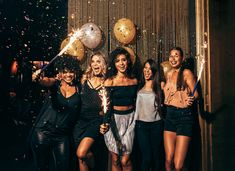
180	83
148	116
52	130
86	131
122	87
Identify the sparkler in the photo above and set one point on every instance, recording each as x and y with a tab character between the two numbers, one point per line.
105	101
199	76
76	35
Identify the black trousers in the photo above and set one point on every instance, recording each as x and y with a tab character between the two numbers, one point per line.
51	152
150	139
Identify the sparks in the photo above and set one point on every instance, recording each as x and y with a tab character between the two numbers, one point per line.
105	101
76	35
199	76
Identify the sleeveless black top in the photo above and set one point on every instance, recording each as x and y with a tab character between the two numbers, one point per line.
91	102
58	113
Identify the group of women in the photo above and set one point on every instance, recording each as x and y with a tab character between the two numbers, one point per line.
73	113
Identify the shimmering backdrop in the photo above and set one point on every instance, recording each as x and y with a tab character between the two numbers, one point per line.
29	30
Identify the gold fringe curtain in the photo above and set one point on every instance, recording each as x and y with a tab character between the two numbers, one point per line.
160	24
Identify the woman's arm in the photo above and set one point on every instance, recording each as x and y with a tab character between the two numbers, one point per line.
108	82
190	82
134	81
45	81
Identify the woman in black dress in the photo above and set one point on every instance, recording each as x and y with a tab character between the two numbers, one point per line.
86	131
53	127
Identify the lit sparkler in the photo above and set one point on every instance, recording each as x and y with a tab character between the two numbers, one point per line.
77	34
199	76
104	98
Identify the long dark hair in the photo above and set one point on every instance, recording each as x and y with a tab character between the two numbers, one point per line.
112	70
180	84
156	86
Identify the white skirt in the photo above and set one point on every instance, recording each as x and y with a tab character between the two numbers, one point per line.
125	126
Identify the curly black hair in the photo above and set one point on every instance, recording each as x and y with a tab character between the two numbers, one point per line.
67	62
112	70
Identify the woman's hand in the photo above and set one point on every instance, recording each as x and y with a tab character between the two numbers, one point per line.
104	128
190	100
36	75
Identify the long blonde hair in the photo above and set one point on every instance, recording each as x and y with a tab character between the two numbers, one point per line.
89	72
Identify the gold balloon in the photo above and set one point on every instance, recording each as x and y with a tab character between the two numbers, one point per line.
76	49
132	54
166	67
124	30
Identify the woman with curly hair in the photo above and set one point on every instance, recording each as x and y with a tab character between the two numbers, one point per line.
122	87
86	131
53	127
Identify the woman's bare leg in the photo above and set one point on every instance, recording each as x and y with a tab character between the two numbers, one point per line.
181	148
169	146
115	166
84	154
126	163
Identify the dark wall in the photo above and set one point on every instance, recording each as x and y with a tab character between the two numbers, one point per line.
222	43
222	29
29	30
33	28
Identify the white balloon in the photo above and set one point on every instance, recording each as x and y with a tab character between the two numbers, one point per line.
91	35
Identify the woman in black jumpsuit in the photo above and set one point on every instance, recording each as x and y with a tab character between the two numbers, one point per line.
53	127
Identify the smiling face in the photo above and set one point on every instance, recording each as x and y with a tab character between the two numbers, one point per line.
175	59
96	65
121	63
147	72
67	76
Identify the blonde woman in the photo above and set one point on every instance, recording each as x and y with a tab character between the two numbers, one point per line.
86	131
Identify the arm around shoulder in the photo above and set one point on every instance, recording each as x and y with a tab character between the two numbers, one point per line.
108	82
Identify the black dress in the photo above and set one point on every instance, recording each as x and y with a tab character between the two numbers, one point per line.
89	120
